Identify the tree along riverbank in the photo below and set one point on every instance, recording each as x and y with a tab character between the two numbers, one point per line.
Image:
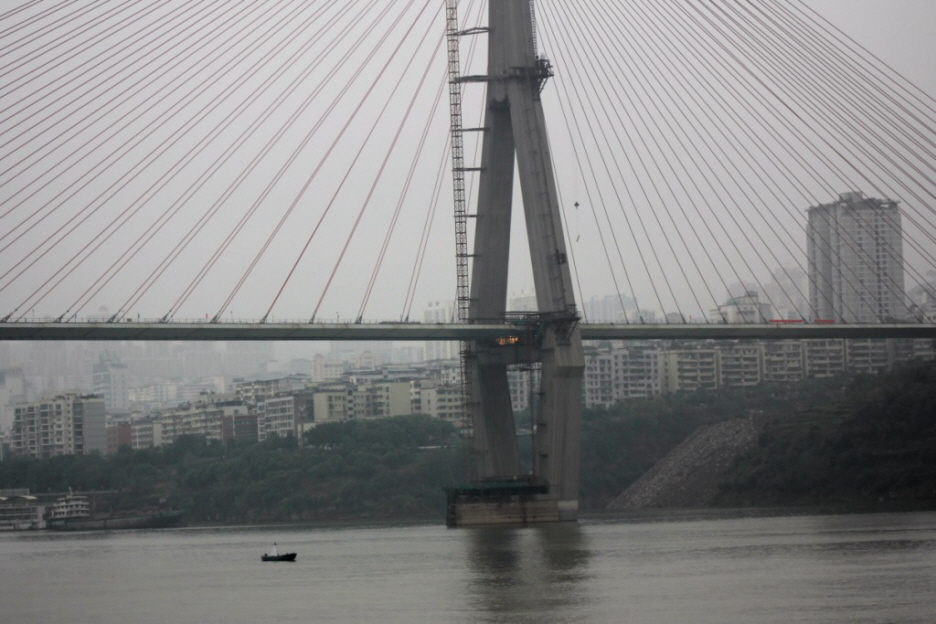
876	444
843	440
871	444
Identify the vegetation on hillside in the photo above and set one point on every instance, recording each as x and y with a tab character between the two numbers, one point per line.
822	441
876	444
385	468
621	443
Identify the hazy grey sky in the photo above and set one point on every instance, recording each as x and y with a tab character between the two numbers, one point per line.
901	32
75	174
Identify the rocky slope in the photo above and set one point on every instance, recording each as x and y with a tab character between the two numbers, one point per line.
689	475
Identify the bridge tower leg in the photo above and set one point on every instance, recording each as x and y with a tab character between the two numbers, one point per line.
515	131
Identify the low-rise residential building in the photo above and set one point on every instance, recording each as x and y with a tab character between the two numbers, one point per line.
872	356
443	401
204	417
824	357
784	361
446	372
381	399
523	381
332	402
636	372
869	356
286	414
214	421
598	379
617	372
256	390
240	427
119	434
688	370
145	433
741	364
66	424
923	349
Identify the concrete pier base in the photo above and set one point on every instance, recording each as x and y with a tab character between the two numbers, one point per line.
505	502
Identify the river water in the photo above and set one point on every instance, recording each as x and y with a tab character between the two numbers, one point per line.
642	569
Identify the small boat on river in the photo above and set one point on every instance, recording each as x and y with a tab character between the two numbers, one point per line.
274	555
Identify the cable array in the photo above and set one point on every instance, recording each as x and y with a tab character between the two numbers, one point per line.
164	156
185	159
701	132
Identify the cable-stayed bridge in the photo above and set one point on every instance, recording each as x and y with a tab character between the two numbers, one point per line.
726	170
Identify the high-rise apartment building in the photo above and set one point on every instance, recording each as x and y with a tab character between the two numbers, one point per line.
111	380
855	260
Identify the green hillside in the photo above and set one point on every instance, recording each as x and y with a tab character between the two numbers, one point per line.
386	468
875	444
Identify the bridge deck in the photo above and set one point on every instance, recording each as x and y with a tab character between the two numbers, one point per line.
23	330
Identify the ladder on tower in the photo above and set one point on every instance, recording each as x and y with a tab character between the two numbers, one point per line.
462	293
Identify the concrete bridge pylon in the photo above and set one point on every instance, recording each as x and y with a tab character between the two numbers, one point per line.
515	132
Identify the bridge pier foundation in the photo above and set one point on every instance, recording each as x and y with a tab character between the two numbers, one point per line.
518	501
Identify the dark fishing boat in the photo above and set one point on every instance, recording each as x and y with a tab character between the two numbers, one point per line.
283	557
274	555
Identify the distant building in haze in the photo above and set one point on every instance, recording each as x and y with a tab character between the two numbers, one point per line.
607	308
111	380
441	312
788	293
855	260
746	308
247	357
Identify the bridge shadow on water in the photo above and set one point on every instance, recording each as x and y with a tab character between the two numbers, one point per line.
524	572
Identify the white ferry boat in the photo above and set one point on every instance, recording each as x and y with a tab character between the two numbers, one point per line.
73	513
69	507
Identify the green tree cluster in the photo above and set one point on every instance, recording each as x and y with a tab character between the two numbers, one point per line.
385	468
877	443
620	443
